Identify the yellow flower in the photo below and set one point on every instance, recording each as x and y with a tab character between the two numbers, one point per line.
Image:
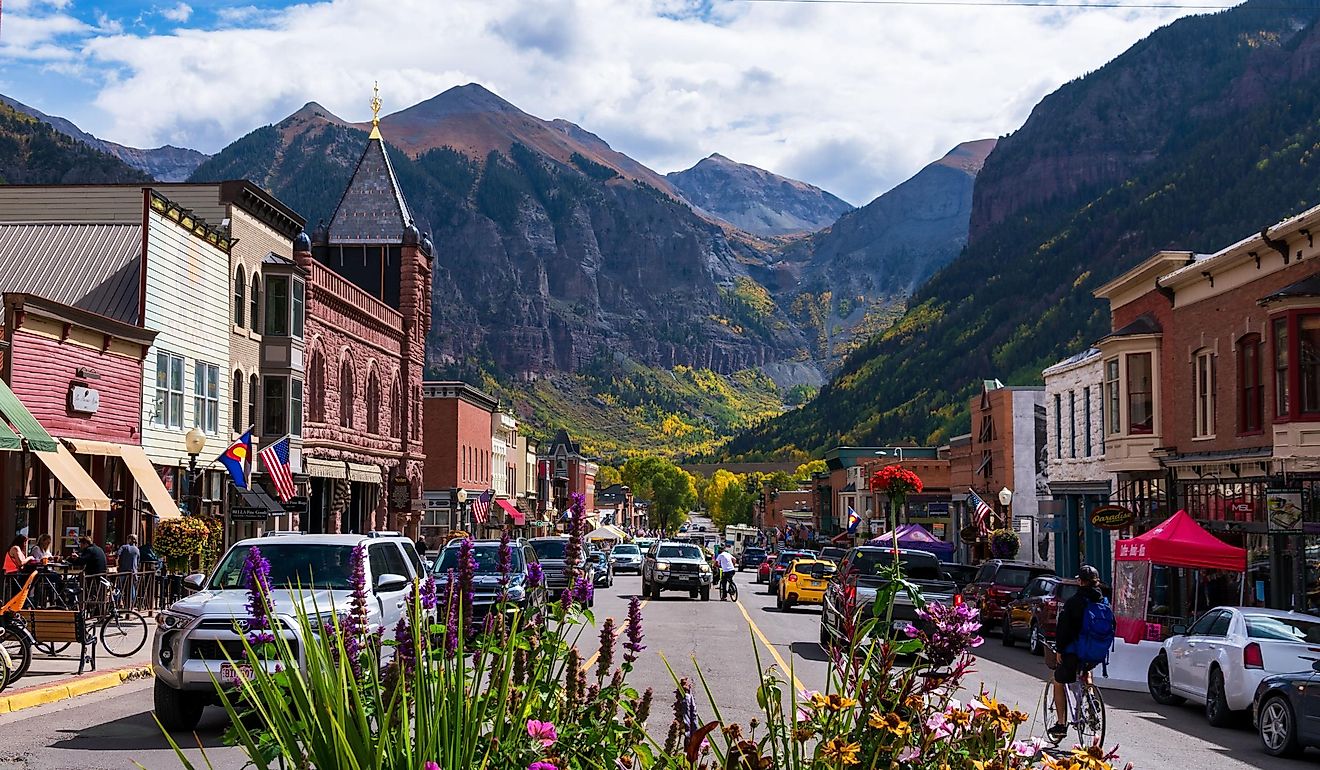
832	702
999	715
803	734
960	717
840	751
891	723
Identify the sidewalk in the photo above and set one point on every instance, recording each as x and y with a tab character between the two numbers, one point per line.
54	679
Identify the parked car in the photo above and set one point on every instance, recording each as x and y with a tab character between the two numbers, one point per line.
550	551
804	582
962	574
486	585
763	569
627	558
855	585
603	565
833	553
644	544
1033	615
675	566
196	639
752	556
1283	712
1223	658
780	564
997	583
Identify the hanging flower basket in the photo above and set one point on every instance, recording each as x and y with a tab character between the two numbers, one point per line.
1004	544
178	540
896	482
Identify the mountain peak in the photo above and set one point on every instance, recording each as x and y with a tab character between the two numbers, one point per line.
459	100
753	199
313	111
969	156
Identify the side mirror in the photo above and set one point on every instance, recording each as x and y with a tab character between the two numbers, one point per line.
818	571
194	582
1179	630
389	582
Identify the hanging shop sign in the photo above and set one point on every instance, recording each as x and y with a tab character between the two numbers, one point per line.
295	505
1283	508
400	494
1112	517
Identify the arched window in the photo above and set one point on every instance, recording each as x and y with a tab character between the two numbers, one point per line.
373	403
254	308
253	387
236	400
240	296
394	409
346	394
316	388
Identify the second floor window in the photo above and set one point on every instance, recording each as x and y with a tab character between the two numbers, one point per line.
277	305
206	397
1203	394
275	414
1281	402
1112	395
1072	423
254	306
1058	426
169	391
373	404
254	385
346	395
1086	412
1251	397
295	406
1308	361
1140	393
236	402
240	296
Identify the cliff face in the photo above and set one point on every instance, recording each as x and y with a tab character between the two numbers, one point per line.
755	200
553	250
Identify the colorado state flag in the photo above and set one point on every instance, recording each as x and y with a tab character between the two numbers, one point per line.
853	520
236	457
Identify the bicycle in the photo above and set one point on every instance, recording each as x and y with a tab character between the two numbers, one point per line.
1086	706
123	631
728	588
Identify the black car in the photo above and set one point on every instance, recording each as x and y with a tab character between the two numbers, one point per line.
962	574
489	585
781	563
833	553
604	568
751	558
1284	712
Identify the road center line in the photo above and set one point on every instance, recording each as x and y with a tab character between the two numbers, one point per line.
773	652
592	660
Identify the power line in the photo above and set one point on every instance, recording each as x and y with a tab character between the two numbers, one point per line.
1036	4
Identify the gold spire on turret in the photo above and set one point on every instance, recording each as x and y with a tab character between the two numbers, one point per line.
375	110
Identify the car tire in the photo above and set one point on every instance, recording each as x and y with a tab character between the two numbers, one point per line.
1217	711
1006	634
1036	640
177	710
1278	721
705	594
693	593
646	588
1158	682
826	639
788	604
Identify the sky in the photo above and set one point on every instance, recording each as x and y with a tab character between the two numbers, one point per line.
852	97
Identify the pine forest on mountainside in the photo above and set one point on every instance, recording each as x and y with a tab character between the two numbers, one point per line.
1020	297
32	152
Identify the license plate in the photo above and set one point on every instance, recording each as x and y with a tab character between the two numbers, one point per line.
233	674
900	625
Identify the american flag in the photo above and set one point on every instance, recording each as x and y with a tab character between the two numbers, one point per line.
982	509
481	507
275	458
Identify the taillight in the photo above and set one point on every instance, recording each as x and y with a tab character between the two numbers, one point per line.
1251	656
792	578
957	600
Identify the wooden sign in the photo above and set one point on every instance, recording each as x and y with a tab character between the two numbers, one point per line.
1112	517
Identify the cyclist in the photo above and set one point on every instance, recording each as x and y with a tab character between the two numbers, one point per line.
724	562
1082	640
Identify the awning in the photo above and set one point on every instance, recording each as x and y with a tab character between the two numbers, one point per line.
797	514
367	474
24	424
9	440
325	469
514	513
61	462
254	504
100	448
144	473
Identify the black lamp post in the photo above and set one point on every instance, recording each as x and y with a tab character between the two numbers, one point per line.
195	442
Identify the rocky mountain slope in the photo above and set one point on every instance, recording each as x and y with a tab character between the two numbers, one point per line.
163	164
849	280
756	200
33	152
1201	133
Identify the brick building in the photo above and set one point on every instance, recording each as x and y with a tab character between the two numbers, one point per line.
1212	399
456	426
784	507
1007	449
570	473
368	307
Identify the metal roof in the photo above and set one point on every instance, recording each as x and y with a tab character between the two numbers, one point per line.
94	267
1307	287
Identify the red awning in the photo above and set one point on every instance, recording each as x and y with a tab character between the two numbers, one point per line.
1180	542
514	514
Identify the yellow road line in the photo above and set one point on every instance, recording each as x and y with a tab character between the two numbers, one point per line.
595	655
773	652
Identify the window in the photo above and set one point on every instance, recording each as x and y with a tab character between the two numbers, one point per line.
1203	394
1086	417
295	406
1202	626
1058	426
240	296
298	308
276	413
169	391
1072	423
373	403
254	306
1251	401
385	559
1111	395
346	394
206	397
394	408
236	402
253	387
277	305
1140	393
1281	367
316	388
1308	361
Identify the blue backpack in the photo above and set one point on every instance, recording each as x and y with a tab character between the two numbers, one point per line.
1097	634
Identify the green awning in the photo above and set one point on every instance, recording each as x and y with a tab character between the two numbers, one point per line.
8	439
18	416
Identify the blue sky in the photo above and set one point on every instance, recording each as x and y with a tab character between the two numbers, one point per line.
851	98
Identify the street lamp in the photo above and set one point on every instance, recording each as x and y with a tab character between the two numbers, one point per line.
897	450
1006	500
194	442
460	497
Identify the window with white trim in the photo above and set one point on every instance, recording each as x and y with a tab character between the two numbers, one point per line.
1203	394
169	391
206	397
1112	396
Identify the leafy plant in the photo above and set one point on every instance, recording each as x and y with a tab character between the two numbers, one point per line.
1004	544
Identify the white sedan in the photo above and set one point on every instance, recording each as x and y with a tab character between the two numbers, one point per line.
1224	655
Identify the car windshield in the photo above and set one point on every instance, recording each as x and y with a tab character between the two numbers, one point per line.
788	556
915	566
549	549
1015	577
487	556
626	550
680	552
292	566
600	557
1286	629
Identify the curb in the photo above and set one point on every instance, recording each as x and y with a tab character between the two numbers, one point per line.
70	688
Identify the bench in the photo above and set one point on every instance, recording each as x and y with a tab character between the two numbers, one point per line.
63	627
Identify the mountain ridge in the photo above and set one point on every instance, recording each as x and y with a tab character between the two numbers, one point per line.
755	200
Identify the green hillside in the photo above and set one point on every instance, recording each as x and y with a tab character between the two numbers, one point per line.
31	152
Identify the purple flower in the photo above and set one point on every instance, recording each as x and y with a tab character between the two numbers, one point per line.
356	626
406	652
608	635
566	598
953	630
505	558
577	529
542	766
633	631
467	570
431	766
256	577
451	616
429	598
582	590
535	574
542	732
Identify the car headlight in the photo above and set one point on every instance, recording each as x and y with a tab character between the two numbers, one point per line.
705	568
662	567
170	620
516	593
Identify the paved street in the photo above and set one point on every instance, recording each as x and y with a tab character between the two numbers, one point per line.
114	729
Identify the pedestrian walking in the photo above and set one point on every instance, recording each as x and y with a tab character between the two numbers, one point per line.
128	557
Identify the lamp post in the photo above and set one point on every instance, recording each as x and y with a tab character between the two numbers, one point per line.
1006	500
898	450
194	442
459	499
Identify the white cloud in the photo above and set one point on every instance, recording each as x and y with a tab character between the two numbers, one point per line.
179	13
852	98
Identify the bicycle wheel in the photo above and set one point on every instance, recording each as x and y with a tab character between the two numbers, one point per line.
1051	715
123	632
19	649
733	591
1089	716
6	671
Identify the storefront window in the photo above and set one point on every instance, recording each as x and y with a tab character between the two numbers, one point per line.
1251	405
1281	367
277	305
1308	361
1140	393
1111	395
276	412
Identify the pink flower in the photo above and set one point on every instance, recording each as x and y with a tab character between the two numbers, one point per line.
546	734
1027	748
908	754
431	766
542	766
939	726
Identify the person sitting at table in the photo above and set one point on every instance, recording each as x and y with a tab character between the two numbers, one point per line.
16	558
90	557
41	551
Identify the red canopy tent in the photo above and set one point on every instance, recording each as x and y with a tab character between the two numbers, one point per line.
1177	542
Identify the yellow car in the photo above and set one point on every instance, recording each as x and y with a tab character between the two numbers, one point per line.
804	582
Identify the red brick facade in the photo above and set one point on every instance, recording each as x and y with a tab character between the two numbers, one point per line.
456	420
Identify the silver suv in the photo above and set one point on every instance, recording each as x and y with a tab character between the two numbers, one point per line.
198	636
676	566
